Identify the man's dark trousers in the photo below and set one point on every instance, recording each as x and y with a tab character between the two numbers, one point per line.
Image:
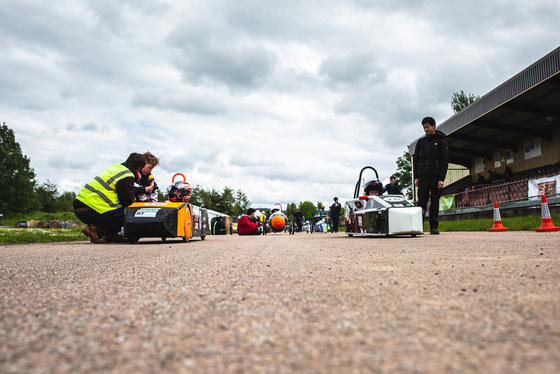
334	223
428	190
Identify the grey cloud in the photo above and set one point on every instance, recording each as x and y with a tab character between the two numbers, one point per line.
90	127
146	98
62	161
180	163
200	105
207	55
87	127
188	103
352	68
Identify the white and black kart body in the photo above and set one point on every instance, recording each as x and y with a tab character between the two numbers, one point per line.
381	215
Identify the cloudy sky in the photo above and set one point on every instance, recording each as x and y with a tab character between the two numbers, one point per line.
285	100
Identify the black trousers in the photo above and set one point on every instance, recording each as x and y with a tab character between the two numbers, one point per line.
106	223
428	191
334	224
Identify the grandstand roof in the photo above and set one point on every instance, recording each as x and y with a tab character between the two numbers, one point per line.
527	105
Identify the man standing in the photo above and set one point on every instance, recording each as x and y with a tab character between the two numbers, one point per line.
298	216
335	215
100	204
431	158
392	188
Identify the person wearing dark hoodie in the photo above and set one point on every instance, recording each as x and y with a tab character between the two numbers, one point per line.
431	158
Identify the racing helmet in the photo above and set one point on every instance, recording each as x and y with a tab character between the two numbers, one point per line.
373	185
180	191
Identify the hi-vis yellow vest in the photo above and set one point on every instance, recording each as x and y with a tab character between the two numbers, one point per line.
100	193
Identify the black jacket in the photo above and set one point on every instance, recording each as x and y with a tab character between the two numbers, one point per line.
392	189
335	209
431	156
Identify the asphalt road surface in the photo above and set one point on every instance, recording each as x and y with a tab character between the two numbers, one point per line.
307	303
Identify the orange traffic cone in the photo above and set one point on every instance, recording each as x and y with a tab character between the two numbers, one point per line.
497	220
546	224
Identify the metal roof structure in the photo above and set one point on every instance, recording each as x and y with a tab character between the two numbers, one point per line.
527	105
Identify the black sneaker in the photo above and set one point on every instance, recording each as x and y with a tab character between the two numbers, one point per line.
434	231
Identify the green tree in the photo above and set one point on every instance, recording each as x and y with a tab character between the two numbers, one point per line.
241	205
47	194
403	175
460	100
161	194
205	198
51	201
228	202
290	209
307	208
65	200
17	178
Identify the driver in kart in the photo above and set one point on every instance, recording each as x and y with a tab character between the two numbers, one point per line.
373	188
180	191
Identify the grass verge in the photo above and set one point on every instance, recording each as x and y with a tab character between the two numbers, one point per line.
526	223
37	216
11	235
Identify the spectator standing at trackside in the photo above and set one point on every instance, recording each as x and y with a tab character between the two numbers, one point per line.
392	188
298	216
431	158
335	215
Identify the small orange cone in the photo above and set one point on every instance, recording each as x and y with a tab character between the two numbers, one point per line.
546	224
497	220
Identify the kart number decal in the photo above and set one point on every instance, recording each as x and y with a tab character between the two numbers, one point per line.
146	212
394	199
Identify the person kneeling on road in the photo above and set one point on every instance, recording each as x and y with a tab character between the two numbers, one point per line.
100	204
246	224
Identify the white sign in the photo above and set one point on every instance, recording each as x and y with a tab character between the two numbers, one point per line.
532	149
544	186
497	161
509	156
146	212
479	165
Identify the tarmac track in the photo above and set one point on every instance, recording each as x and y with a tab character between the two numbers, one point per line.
320	303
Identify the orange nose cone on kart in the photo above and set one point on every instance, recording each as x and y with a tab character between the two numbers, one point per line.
277	222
